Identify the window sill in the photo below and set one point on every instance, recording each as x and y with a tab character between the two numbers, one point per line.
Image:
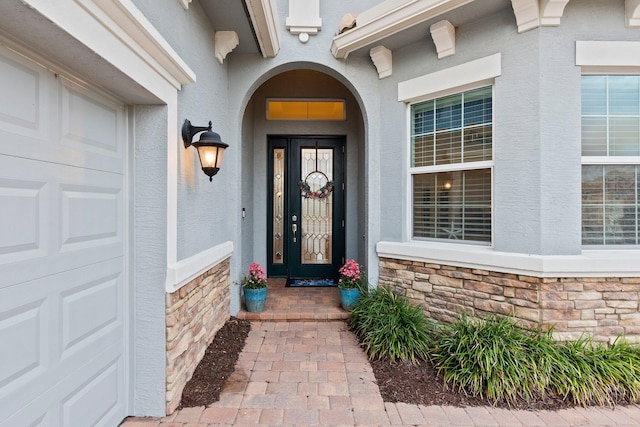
590	263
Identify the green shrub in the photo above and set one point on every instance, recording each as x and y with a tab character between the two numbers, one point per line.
496	359
596	374
389	326
493	358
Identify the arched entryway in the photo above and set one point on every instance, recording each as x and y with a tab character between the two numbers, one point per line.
293	235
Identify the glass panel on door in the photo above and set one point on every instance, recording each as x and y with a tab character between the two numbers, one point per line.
316	206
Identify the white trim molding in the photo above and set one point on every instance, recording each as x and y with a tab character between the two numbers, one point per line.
458	77
304	18
527	14
224	43
383	60
185	3
632	13
551	12
596	263
264	17
388	18
531	14
608	56
443	34
184	271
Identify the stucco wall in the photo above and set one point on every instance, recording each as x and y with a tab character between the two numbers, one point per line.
537	171
205	209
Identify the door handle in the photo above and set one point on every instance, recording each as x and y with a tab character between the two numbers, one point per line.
294	228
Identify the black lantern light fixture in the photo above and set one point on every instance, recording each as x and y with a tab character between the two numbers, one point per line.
210	146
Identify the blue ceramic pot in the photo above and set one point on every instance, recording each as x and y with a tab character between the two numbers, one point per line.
254	299
349	297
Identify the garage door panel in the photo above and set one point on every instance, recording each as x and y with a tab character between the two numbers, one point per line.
88	311
93	393
24	234
90	216
90	122
51	118
42	197
50	344
94	400
63	297
23	337
24	96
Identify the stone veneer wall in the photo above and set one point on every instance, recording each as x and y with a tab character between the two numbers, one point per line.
601	307
194	314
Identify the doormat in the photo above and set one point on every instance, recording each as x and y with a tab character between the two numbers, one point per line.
317	283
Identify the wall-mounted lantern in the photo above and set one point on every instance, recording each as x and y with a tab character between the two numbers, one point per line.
210	146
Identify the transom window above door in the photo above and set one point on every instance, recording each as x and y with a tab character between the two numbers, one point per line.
306	109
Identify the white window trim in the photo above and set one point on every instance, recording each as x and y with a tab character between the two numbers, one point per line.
460	78
610	58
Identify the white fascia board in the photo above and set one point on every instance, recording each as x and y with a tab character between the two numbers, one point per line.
592	263
184	271
388	19
117	31
264	18
608	56
458	77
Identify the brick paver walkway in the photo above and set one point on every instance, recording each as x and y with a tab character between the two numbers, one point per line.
314	373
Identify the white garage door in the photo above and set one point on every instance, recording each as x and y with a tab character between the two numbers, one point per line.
62	238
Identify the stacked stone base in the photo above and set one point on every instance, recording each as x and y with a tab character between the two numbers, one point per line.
194	314
602	308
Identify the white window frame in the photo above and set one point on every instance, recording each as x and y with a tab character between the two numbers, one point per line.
452	167
608	58
460	78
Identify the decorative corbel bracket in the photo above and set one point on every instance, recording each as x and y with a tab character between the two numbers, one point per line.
382	59
225	42
184	3
632	13
444	37
532	14
304	18
551	12
527	14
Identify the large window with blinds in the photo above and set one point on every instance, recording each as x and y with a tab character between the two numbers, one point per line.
451	167
610	159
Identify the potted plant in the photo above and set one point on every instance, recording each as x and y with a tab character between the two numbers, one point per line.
254	286
351	284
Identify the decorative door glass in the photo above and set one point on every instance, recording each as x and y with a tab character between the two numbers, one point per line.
316	184
278	205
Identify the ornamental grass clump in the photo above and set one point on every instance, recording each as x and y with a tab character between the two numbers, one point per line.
493	358
387	325
596	374
496	359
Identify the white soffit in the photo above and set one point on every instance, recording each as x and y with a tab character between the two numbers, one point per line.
608	56
126	21
431	85
264	19
389	18
632	13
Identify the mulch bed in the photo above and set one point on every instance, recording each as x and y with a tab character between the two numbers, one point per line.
398	381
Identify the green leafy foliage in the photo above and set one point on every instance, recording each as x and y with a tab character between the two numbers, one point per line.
493	358
389	326
497	359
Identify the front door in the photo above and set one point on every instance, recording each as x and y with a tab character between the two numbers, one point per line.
306	206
